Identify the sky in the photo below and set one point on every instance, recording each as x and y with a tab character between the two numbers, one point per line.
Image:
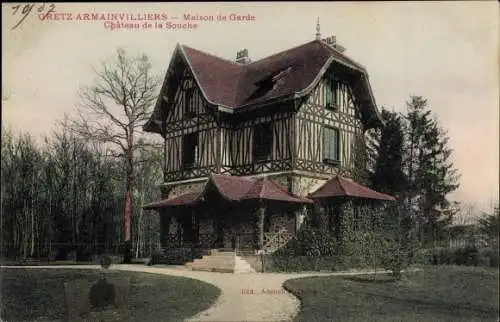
447	52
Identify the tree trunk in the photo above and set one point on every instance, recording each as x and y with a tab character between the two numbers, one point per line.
127	257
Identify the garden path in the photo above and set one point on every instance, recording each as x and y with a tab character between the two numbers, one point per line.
244	297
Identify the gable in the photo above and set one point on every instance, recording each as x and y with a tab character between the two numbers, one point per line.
291	74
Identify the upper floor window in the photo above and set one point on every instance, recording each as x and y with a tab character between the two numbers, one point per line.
189	102
331	145
262	141
332	89
190	150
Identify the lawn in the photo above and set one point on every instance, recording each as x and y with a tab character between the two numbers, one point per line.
438	293
40	294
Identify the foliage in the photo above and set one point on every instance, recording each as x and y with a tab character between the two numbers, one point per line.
410	158
388	175
363	249
400	241
311	243
102	294
488	257
174	256
466	255
489	224
430	172
105	261
113	111
64	195
296	263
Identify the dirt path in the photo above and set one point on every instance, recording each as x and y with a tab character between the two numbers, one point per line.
245	297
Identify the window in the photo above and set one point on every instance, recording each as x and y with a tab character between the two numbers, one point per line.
262	141
332	88
189	150
189	107
331	145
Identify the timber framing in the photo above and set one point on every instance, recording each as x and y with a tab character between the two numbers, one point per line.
191	108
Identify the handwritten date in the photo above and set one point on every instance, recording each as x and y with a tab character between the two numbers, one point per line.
27	9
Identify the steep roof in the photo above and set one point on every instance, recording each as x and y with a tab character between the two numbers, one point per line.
288	74
234	189
266	189
343	187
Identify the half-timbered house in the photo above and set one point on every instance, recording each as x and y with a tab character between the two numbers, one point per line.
297	117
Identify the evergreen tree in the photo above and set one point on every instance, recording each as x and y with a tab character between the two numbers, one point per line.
387	174
431	176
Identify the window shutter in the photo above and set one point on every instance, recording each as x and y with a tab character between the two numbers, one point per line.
334	144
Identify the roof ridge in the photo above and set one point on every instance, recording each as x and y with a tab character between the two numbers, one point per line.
339	179
214	56
279	53
331	48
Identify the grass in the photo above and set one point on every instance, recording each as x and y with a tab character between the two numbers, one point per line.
439	293
40	295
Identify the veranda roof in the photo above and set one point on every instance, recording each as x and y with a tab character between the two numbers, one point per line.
181	200
343	187
235	189
266	189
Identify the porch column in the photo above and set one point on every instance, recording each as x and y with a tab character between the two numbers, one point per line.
165	219
260	225
195	225
299	217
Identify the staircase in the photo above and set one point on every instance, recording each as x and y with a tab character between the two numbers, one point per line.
214	261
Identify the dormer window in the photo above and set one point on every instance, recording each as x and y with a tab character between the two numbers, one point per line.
270	82
189	106
332	89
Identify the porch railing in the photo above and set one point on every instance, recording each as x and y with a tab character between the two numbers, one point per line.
275	240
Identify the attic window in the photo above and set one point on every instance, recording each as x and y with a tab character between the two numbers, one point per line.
189	107
332	88
270	82
280	74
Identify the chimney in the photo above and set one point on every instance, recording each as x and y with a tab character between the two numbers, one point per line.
242	56
332	41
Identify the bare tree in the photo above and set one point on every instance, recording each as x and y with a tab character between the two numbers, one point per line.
113	110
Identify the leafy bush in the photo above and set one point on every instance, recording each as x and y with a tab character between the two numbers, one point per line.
276	263
310	243
174	256
488	257
155	257
466	256
364	249
105	261
310	250
424	256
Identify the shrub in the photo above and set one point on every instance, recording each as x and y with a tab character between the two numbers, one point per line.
276	263
364	249
102	294
400	243
466	256
174	256
105	261
424	256
310	243
155	257
488	257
